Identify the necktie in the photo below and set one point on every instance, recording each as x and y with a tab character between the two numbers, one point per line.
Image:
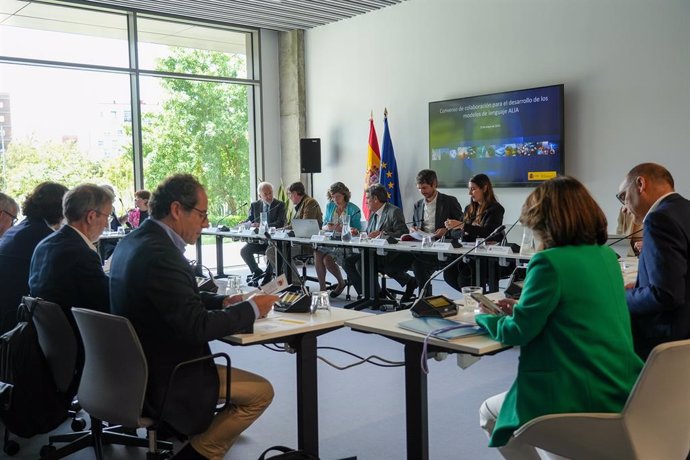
374	223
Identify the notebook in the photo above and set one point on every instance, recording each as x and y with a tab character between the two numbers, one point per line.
426	324
305	228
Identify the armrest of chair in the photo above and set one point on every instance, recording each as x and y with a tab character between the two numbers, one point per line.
581	435
195	361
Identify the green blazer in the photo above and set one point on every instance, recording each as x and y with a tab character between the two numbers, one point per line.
573	327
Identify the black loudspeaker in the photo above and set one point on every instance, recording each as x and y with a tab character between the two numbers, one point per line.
310	155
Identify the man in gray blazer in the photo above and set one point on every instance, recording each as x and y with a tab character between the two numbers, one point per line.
385	220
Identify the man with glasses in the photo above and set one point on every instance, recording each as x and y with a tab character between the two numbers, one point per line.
153	285
8	213
659	301
65	267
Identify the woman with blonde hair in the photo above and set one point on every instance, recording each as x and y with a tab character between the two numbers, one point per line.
338	207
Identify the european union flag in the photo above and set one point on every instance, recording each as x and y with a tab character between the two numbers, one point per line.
389	168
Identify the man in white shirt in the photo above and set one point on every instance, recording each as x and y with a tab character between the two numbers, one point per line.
429	215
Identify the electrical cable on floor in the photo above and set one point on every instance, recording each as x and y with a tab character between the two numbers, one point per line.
370	359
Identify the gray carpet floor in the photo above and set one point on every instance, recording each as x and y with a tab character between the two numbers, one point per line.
361	409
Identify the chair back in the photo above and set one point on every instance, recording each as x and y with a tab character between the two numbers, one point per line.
57	340
657	414
113	383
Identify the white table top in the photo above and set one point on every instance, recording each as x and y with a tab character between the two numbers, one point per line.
278	325
387	325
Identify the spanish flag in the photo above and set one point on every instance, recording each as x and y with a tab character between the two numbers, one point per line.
373	165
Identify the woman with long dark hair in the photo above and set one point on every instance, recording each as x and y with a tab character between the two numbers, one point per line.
481	217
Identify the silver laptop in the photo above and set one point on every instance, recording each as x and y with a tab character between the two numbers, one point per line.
305	228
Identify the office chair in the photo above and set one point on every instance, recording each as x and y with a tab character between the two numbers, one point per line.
111	392
654	424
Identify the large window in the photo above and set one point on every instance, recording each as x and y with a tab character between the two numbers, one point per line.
68	76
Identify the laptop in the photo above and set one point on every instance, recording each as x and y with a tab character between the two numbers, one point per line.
305	228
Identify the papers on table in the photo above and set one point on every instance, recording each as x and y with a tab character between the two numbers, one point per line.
272	287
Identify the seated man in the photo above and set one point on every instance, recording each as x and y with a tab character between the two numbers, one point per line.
429	215
154	286
65	267
276	218
306	207
385	220
8	213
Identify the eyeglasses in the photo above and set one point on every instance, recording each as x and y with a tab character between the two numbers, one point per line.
14	218
102	214
621	197
203	214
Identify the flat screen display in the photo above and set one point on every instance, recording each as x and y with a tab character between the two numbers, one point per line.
514	137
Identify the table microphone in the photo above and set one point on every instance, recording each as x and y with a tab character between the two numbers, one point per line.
224	228
418	311
296	303
504	241
625	237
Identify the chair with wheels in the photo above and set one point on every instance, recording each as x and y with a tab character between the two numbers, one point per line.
654	424
114	393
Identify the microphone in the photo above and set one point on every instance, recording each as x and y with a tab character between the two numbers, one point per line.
498	230
224	228
289	261
625	237
504	241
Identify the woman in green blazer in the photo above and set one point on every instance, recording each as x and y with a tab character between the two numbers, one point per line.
571	323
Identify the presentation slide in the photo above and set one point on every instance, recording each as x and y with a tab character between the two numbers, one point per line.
515	137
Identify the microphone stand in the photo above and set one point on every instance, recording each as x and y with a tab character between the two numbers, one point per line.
625	237
302	302
498	230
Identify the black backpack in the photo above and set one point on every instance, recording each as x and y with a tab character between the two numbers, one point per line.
30	402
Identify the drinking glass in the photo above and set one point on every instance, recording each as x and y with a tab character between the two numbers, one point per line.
363	237
222	284
528	245
234	285
471	305
427	242
320	301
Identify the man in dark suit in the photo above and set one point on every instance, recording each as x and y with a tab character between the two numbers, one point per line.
385	220
8	212
429	215
154	286
65	267
659	301
42	210
276	218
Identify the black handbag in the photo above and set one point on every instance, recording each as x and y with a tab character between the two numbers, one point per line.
287	454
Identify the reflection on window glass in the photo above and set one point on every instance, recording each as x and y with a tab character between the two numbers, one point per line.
62	125
56	33
158	38
199	128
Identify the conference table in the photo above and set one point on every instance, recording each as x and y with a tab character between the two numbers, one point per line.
416	396
299	331
369	249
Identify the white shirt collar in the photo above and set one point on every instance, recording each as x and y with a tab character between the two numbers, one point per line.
176	239
84	237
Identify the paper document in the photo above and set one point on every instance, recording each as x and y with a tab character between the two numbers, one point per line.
272	287
419	235
441	328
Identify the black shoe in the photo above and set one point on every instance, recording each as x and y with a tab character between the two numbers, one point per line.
267	278
410	287
337	291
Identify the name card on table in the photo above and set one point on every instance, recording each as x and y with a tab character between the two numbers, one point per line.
318	238
282	234
378	242
441	245
499	249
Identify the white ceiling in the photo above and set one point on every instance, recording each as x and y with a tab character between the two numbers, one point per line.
279	15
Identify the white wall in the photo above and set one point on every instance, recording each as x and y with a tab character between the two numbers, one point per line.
625	65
